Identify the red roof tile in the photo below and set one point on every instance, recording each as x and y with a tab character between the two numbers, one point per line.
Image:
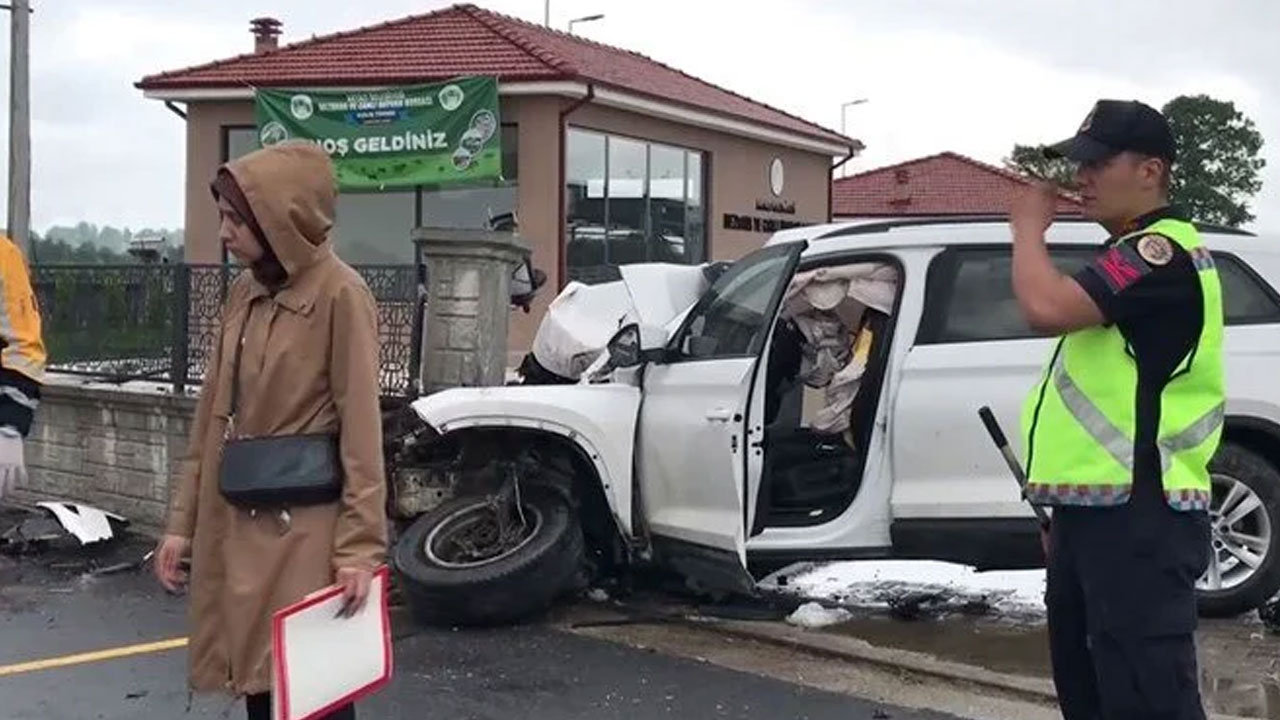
944	184
467	40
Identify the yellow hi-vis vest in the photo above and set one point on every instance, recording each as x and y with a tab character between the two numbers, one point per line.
1079	422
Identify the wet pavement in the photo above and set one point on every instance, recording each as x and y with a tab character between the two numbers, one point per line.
996	621
52	606
1239	659
537	671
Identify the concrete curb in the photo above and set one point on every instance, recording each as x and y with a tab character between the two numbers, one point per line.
839	647
847	649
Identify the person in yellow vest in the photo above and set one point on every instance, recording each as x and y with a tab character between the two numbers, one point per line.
22	362
1120	428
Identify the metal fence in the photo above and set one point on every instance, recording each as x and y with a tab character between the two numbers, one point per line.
158	321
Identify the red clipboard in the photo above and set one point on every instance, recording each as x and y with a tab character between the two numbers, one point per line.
297	630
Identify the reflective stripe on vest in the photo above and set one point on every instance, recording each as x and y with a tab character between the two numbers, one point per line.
1079	422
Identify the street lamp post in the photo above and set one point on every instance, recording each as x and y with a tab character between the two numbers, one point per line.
844	106
585	18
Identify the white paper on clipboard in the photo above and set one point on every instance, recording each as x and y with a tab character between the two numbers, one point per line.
321	661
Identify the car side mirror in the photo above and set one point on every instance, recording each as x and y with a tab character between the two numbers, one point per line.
633	345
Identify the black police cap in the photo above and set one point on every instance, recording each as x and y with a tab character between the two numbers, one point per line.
1114	126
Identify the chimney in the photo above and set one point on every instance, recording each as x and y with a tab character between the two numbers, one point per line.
902	187
266	30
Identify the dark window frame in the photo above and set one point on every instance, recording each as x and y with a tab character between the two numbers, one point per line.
944	272
704	199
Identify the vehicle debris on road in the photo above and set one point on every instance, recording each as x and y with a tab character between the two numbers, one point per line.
55	522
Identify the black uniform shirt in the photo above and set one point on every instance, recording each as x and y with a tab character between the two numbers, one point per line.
1148	288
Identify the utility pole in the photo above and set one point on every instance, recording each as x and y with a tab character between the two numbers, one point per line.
546	13
19	126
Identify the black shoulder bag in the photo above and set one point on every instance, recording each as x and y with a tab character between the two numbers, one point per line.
276	471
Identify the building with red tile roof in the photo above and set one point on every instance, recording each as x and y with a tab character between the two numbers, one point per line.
468	40
621	156
944	184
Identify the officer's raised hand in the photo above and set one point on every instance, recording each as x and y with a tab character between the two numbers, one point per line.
1032	211
1052	302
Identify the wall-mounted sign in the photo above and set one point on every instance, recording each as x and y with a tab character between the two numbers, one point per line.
754	223
394	137
777	176
786	207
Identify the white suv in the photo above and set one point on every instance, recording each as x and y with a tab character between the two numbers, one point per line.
704	445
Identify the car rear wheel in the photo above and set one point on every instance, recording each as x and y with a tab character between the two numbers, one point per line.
1244	512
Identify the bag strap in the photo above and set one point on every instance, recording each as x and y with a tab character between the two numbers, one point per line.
235	371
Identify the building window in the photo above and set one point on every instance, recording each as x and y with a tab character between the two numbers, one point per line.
376	227
630	201
238	140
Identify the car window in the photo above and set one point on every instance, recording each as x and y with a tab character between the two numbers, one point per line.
970	297
731	320
1246	298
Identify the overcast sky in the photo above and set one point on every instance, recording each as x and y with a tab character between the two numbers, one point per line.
972	76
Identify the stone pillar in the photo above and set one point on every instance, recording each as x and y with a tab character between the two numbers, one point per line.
468	303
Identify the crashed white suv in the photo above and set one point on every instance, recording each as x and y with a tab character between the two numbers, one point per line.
817	402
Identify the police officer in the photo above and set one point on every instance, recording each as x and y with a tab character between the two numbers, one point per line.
1119	431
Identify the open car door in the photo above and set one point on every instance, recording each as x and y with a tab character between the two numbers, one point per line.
693	439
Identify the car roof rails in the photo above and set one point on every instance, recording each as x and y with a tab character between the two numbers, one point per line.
877	226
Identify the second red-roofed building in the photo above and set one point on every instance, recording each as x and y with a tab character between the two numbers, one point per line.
944	185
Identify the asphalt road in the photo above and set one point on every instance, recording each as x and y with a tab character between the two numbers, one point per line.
534	671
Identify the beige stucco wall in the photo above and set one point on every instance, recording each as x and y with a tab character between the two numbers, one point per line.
205	121
737	170
538	200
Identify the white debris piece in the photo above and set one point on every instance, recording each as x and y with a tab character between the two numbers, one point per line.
814	615
871	583
598	595
86	523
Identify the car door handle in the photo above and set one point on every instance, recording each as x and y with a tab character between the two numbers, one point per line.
719	415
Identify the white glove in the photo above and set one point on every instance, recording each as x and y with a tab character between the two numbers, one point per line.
13	466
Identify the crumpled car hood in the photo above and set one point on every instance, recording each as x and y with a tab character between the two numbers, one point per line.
582	318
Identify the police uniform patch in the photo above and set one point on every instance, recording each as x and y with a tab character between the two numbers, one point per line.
1155	249
1121	266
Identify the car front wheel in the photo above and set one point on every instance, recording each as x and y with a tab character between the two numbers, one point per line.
461	564
1244	512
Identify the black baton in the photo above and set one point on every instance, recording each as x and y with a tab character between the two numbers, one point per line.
997	436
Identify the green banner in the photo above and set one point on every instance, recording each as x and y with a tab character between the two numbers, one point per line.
396	137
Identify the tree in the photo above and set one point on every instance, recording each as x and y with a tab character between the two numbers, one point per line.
88	243
1030	160
1217	170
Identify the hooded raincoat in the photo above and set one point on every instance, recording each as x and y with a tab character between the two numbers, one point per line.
309	365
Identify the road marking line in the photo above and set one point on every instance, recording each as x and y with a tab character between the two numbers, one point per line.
95	656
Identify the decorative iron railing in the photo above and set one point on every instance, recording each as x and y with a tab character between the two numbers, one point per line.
158	321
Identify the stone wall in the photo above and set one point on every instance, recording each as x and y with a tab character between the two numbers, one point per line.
114	448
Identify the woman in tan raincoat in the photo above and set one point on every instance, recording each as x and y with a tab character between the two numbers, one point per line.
309	365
